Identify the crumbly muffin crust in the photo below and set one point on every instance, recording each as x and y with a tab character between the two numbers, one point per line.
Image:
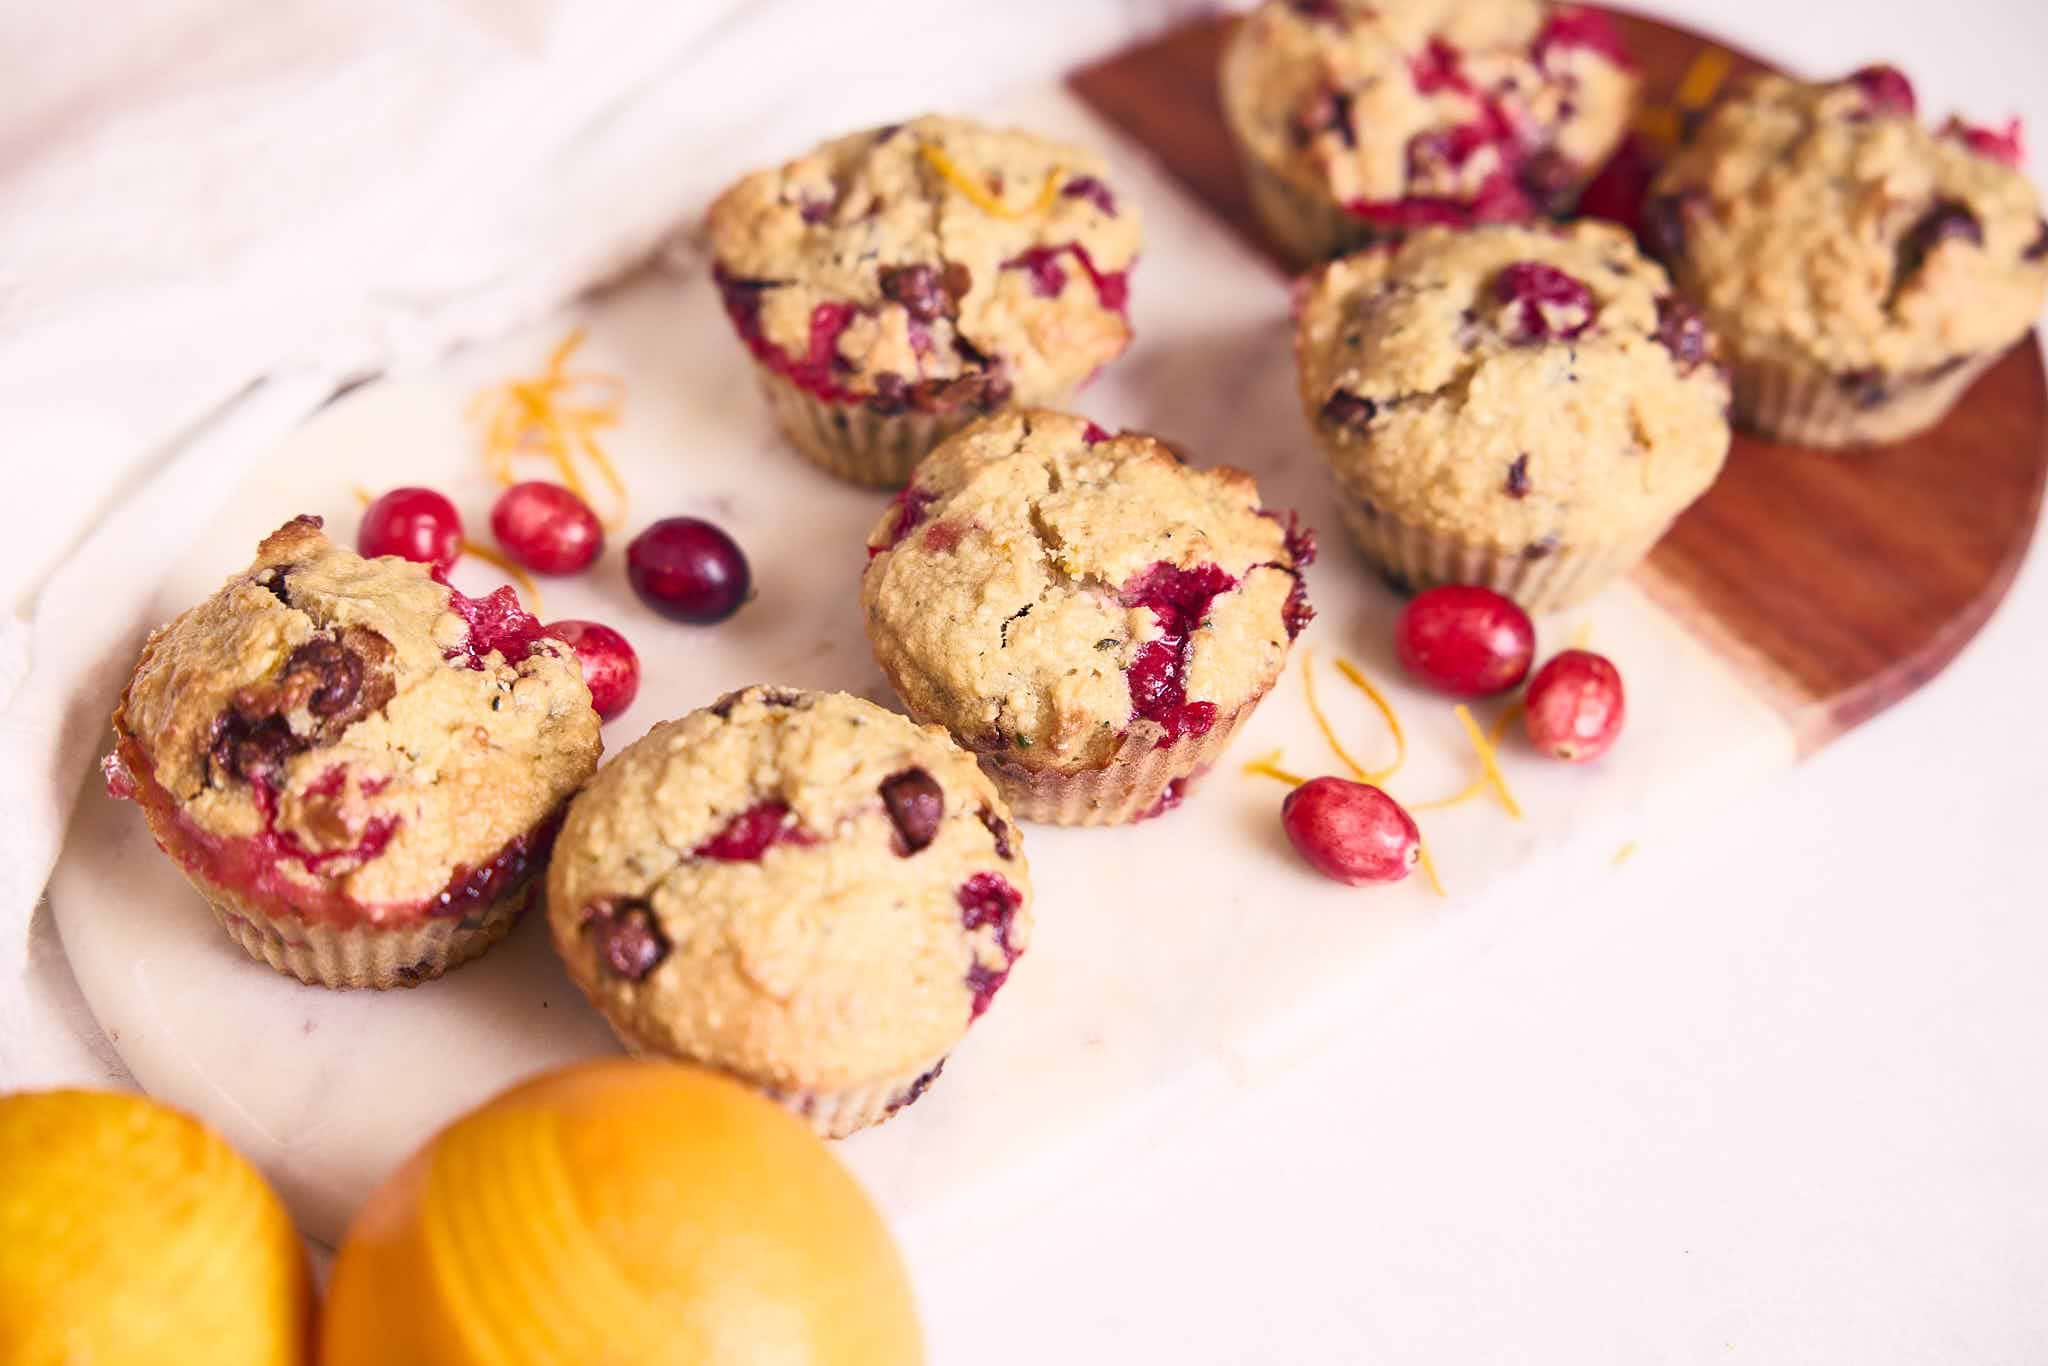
800	888
338	729
1410	112
1048	588
1516	388
931	266
1825	228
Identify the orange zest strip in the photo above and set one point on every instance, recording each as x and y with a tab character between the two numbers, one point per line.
1625	853
1379	699
1308	684
555	414
1508	716
1429	867
1487	762
511	571
984	198
1268	766
1703	78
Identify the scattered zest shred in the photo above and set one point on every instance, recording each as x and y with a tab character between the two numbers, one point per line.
984	198
1508	716
1665	123
1582	637
1625	853
556	414
488	556
1429	867
1359	681
1308	684
1268	766
1487	761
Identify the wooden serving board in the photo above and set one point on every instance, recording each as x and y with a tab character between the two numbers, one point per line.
1836	583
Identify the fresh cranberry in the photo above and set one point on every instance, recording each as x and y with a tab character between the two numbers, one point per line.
688	570
547	528
610	668
414	524
1350	831
1093	190
1887	89
1617	192
1545	302
496	622
1575	706
1465	640
2005	144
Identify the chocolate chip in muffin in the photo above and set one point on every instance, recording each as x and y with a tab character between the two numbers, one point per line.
275	582
920	289
916	804
2039	250
1681	331
1346	409
1867	388
1664	223
1328	112
629	940
1518	476
999	831
1549	178
1948	220
1540	550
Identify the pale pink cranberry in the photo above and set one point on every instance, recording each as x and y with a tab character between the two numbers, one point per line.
1465	640
414	524
1575	706
547	528
1350	831
611	670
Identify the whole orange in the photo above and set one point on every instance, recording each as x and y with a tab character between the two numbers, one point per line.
131	1233
619	1213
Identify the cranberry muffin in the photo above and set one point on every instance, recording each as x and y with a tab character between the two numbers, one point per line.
1862	268
1092	617
897	284
358	767
1526	408
800	889
1358	120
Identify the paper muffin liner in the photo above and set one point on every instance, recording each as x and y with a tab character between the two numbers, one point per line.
367	956
1569	574
1809	408
1137	782
1311	228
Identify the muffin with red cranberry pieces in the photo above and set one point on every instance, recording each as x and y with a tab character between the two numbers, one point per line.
1359	120
1862	268
1090	615
358	767
1526	408
895	285
800	889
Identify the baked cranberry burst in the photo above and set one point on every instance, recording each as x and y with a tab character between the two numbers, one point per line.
360	768
1090	615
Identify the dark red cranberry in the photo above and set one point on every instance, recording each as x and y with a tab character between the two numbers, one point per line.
1049	277
628	938
752	833
1438	67
1948	220
1179	599
547	528
916	804
1548	178
2005	144
1094	191
414	524
1093	435
1887	89
1518	476
1617	192
1576	706
1545	301
1350	831
611	670
1465	640
1683	332
688	570
1346	409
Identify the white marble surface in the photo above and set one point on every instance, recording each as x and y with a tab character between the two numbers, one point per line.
1176	965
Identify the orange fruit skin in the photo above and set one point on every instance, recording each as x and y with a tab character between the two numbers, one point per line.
621	1213
132	1233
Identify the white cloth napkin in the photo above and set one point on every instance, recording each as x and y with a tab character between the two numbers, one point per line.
214	212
